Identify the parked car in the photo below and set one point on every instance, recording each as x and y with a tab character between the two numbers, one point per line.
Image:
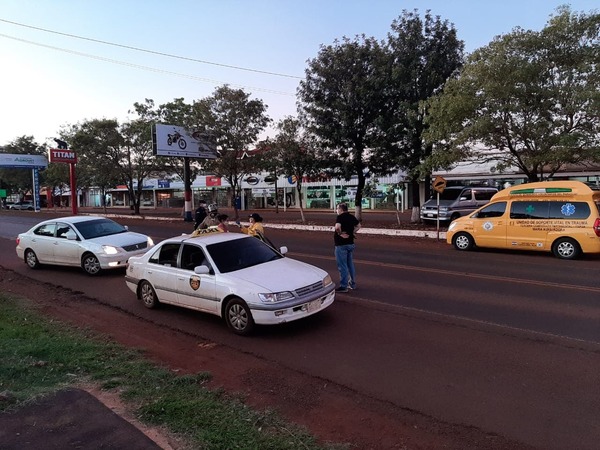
22	205
455	202
93	243
562	217
234	276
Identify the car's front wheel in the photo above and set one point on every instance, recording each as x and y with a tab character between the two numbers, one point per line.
147	295
31	259
463	241
238	317
90	264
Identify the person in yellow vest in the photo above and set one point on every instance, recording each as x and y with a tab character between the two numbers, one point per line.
255	228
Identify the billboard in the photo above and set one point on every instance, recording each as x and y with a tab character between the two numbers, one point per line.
171	140
23	161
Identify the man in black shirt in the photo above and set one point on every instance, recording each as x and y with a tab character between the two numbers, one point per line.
346	225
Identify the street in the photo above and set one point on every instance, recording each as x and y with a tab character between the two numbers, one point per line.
502	341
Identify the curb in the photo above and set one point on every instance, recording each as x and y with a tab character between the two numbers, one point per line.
282	226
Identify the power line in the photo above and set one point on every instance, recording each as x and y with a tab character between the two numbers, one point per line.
168	55
138	66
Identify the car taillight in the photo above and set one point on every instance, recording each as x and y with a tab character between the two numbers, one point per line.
19	239
597	227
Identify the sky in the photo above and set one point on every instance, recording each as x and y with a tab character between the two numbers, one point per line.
67	61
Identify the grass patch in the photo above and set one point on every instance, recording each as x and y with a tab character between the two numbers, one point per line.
39	356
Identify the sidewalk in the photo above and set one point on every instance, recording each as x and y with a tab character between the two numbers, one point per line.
378	222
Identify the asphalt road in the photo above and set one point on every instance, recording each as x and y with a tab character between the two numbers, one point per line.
507	342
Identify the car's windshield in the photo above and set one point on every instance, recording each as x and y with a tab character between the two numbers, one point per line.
241	253
450	194
99	227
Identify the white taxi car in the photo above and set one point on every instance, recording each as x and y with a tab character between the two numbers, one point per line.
232	275
91	242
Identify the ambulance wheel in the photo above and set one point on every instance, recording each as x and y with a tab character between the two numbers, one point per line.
463	241
566	248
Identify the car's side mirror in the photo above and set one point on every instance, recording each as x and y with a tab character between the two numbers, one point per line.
126	227
71	236
283	250
202	270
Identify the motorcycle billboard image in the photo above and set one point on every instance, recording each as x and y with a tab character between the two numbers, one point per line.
172	140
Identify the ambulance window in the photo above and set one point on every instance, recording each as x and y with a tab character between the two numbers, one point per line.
569	210
529	210
493	210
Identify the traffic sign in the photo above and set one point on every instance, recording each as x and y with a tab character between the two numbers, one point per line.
438	184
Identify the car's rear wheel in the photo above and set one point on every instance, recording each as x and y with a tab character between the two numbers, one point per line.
463	241
148	295
566	248
31	259
90	264
238	317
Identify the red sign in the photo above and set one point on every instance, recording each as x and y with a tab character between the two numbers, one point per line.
63	156
213	181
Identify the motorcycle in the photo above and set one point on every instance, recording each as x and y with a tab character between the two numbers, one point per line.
176	137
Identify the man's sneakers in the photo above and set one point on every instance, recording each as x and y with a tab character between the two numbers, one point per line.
341	289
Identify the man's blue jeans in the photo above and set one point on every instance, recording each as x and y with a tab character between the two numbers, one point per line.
345	264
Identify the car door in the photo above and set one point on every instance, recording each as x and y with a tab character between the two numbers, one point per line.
42	242
195	291
161	271
66	251
490	225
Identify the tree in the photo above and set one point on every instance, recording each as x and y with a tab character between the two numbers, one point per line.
136	157
341	100
97	143
529	100
365	99
424	53
235	121
293	152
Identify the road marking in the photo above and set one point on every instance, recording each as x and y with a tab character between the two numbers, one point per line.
475	321
461	274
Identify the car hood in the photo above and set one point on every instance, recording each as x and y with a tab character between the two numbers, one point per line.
119	240
284	274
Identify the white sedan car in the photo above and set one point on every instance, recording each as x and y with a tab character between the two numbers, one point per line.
231	275
93	243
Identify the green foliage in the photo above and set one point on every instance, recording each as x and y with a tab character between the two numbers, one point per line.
235	121
293	152
38	356
365	99
529	100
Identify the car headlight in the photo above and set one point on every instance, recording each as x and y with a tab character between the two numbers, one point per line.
452	226
327	281
150	242
275	297
443	208
110	250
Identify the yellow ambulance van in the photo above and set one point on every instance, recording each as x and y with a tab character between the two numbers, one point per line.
558	216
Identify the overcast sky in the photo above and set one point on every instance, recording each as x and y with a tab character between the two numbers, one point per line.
51	77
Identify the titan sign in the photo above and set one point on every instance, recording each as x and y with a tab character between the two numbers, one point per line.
63	156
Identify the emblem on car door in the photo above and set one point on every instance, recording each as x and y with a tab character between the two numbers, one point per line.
195	282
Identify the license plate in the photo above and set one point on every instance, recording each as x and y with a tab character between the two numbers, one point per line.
313	306
429	215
